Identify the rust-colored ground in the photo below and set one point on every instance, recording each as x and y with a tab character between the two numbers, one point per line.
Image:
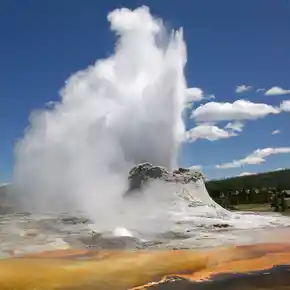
118	270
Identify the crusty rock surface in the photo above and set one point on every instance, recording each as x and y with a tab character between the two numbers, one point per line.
140	174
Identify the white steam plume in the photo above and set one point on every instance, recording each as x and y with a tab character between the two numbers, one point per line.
118	112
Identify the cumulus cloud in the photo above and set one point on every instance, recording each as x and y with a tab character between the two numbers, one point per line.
195	167
275	132
236	126
256	157
238	110
242	89
209	132
275	91
210	97
194	94
285	106
246	173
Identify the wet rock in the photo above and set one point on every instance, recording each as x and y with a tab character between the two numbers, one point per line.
151	244
171	235
141	173
195	203
24	213
98	241
29	233
186	175
180	248
221	226
73	220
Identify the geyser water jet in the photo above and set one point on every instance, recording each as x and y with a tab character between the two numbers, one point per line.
120	111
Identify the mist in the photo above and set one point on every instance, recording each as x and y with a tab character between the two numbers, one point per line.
120	111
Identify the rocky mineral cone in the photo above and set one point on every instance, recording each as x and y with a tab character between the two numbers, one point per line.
144	172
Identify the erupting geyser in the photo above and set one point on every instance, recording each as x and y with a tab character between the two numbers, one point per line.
118	112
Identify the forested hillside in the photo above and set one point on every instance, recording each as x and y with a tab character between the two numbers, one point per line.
276	179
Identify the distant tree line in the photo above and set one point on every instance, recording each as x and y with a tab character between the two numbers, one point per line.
258	188
275	179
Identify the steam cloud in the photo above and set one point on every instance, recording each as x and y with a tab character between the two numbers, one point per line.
118	112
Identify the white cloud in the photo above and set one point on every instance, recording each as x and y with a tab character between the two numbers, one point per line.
260	90
238	110
210	97
247	173
275	91
197	95
242	89
256	157
195	167
235	126
209	132
275	132
285	106
194	94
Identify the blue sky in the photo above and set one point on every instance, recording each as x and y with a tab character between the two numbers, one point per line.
230	43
